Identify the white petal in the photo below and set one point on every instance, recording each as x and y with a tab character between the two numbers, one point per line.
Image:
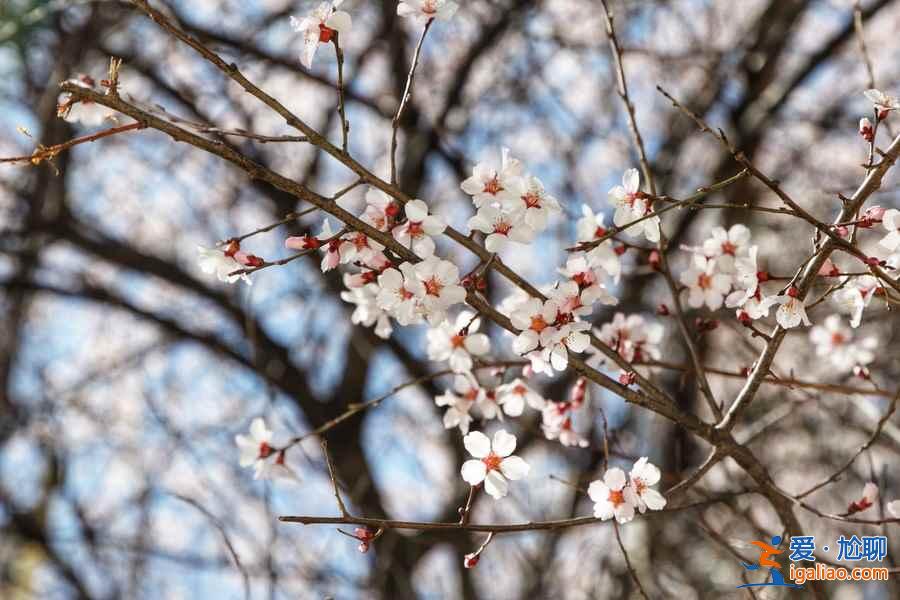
514	468
477	344
340	21
477	444
598	491
495	485
259	431
653	499
504	443
631	180
614	478
473	471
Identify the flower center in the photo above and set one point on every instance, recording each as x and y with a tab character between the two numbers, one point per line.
265	450
492	461
325	33
704	281
531	200
583	279
493	186
520	390
837	338
429	7
616	497
433	287
405	293
457	341
415	229
502	228
538	323
599	232
360	241
729	248
639	485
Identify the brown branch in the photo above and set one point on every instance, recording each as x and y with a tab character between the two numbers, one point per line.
42	153
334	483
407	93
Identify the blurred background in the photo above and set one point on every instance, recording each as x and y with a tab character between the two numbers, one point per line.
125	372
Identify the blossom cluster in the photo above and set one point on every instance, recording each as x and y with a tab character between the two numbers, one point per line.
618	496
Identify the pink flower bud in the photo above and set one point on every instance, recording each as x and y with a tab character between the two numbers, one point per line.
578	392
842	231
470	560
655	260
866	130
662	310
627	378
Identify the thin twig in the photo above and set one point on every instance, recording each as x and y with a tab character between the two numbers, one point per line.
407	92
334	482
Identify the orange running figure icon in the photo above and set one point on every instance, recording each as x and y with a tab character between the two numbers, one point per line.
765	552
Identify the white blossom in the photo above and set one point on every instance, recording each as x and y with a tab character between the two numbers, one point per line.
705	284
883	102
632	204
214	260
513	396
493	463
426	10
320	26
367	311
415	233
458	342
488	185
613	497
500	226
399	293
632	337
727	246
590	227
643	475
834	342
529	201
255	448
439	287
792	311
891	222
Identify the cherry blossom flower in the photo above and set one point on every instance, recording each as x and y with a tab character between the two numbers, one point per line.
415	232
357	247
514	395
86	112
222	263
439	287
375	264
487	185
500	227
632	337
256	448
866	130
426	10
460	403
746	279
726	246
381	210
588	287
568	337
531	202
490	406
535	321
367	311
632	204
337	250
869	496
589	228
457	343
613	497
891	222
399	293
883	102
643	475
705	285
835	343
854	297
320	26
557	424
493	463
792	311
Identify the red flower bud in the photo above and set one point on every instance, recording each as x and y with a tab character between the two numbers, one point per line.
663	310
655	260
470	560
762	276
627	377
793	292
620	250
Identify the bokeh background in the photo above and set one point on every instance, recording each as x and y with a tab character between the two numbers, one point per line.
125	372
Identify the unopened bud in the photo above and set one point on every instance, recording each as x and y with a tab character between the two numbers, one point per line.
470	560
866	130
655	260
662	310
